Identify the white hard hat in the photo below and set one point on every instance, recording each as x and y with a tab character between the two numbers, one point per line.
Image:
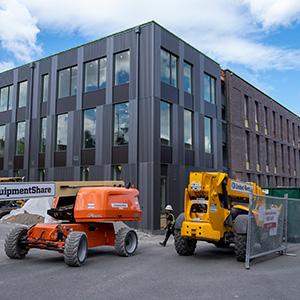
168	207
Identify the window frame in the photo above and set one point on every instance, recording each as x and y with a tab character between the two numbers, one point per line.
56	132
114	123
170	123
17	139
84	147
70	69
211	142
98	87
41	145
18	94
115	64
186	145
170	56
9	98
4	140
186	63
212	88
44	97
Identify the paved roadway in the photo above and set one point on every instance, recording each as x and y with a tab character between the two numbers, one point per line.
153	273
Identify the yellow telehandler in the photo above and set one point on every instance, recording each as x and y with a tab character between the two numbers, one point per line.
215	211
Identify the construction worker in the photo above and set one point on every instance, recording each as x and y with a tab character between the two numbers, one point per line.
170	224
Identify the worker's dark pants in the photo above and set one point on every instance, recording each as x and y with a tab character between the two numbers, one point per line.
168	234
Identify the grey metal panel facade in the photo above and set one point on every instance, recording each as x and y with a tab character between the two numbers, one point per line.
144	167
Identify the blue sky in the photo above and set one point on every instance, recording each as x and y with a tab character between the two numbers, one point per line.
258	40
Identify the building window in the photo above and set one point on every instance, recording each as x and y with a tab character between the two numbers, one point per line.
62	132
281	128
209	88
267	155
89	128
207	135
45	87
22	93
122	67
6	94
121	123
117	172
287	130
282	158
43	129
246	110
42	175
165	123
168	68
95	75
256	116
84	173
67	82
258	152
247	146
20	144
275	157
266	120
2	140
187	77
188	129
274	123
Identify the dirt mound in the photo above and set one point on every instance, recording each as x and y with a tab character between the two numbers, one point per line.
25	218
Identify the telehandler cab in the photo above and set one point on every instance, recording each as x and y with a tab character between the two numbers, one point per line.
86	212
215	211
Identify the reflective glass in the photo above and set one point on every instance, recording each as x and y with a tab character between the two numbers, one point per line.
2	140
74	81
165	123
102	73
62	132
10	96
187	78
89	128
43	135
173	71
188	129
45	81
122	67
207	134
64	83
165	75
3	98
22	94
20	145
91	76
121	124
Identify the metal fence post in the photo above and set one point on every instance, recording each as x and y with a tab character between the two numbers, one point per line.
286	199
248	244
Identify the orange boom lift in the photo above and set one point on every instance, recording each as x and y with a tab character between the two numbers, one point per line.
86	212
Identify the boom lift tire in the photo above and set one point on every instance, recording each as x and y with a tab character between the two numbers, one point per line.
76	246
126	242
240	241
184	246
222	244
13	248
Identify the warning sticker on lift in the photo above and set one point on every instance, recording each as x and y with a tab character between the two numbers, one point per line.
119	205
213	208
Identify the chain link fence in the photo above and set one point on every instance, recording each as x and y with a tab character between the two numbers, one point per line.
267	229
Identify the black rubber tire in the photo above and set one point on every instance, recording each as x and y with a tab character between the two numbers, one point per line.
12	246
221	244
184	246
76	247
240	242
126	242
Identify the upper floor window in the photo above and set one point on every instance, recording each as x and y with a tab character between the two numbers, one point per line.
266	119
22	93
187	77
188	129
207	135
43	129
95	75
247	147
168	68
121	124
2	140
61	132
6	94
209	88
45	87
20	142
67	82
89	128
165	123
256	115
122	67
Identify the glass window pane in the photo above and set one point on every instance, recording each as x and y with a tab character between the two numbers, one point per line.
102	73
91	76
2	140
188	129
187	79
74	81
64	83
121	124
165	123
207	91
173	71
207	134
22	94
122	67
45	87
3	98
213	90
10	96
165	75
20	145
89	128
43	135
62	132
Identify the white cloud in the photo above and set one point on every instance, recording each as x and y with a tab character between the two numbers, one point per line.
229	31
6	65
18	30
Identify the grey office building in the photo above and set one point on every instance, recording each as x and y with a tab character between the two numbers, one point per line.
141	105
